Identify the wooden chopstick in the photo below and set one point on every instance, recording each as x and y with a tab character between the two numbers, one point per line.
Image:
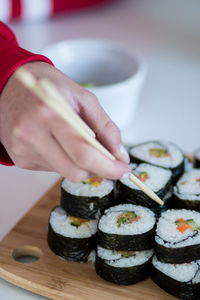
145	189
48	93
51	90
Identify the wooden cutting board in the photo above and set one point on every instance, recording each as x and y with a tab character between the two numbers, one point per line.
53	277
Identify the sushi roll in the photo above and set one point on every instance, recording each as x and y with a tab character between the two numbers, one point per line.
123	267
179	280
70	237
187	190
188	164
88	198
126	227
178	236
197	158
156	178
159	153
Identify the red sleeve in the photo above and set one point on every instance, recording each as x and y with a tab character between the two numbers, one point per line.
63	5
11	57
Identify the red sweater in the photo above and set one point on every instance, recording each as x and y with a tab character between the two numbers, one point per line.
11	55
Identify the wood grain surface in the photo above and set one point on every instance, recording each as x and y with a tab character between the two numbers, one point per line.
53	277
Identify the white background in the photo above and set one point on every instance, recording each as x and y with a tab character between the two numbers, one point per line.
167	33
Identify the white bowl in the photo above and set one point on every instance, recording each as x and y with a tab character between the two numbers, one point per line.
117	74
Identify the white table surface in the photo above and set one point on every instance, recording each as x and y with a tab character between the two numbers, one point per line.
167	34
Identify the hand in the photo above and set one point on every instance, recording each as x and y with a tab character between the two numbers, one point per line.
36	138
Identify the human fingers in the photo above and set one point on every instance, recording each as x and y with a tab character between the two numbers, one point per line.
107	132
33	147
83	154
59	160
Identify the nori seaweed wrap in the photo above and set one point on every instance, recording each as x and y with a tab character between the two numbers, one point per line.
182	281
168	203
177	237
159	153
69	237
197	158
123	267
156	178
87	199
127	227
187	191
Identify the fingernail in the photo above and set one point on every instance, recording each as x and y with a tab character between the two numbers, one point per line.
124	153
125	175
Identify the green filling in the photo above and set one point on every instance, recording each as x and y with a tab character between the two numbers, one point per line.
158	152
194	226
75	224
125	218
127	254
86	181
143	175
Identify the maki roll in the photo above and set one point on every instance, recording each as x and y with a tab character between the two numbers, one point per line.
123	267
187	190
156	178
197	158
182	280
126	227
70	237
88	198
188	164
178	236
159	153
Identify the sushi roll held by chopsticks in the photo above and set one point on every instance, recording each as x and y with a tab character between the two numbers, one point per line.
156	178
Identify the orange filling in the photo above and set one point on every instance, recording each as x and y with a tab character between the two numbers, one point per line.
95	181
182	225
74	221
127	218
159	152
143	176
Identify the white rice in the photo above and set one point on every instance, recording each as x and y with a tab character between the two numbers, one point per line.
142	152
88	190
187	272
115	258
187	188
108	222
92	256
60	223
197	153
167	233
169	194
188	165
158	177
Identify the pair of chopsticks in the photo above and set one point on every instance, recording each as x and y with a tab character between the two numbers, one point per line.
46	91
